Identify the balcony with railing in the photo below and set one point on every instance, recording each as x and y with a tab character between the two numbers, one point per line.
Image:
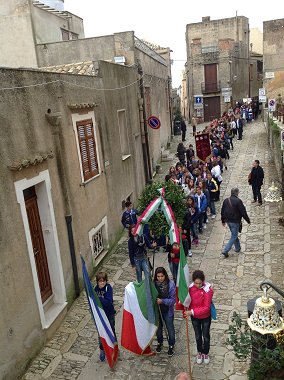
209	87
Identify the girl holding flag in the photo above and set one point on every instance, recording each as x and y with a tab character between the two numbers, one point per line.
166	299
201	294
105	293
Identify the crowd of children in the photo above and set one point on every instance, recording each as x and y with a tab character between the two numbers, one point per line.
200	182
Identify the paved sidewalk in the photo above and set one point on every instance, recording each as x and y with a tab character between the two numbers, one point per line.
73	351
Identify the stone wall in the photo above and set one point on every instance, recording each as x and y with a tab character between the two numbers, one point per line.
225	40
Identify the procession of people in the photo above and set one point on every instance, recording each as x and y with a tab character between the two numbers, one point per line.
200	181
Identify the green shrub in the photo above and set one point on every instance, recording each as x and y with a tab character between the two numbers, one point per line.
173	195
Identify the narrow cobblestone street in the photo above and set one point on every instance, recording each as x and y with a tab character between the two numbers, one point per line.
72	353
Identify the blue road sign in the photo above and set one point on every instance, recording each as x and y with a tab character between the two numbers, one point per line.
154	122
198	99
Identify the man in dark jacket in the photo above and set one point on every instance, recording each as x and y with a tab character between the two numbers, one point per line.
256	181
240	125
183	129
233	210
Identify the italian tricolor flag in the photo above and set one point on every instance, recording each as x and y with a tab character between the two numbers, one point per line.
103	326
137	332
183	281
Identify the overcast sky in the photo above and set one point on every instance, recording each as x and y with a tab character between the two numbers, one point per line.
164	22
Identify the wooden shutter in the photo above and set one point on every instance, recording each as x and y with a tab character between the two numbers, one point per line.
210	74
88	151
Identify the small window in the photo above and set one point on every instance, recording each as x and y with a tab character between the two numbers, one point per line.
98	243
88	149
65	35
123	133
74	36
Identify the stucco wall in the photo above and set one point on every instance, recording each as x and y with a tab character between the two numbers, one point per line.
106	48
25	132
273	57
16	35
256	38
48	26
87	49
156	77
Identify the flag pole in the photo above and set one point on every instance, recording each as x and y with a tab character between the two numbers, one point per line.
164	325
188	349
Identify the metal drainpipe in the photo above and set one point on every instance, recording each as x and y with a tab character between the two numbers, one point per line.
145	127
68	219
144	151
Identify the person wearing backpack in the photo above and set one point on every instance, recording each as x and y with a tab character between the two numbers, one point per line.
201	294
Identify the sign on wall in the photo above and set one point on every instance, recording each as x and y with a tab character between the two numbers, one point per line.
261	92
271	105
198	101
154	122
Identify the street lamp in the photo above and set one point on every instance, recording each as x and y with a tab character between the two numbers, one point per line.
265	319
273	193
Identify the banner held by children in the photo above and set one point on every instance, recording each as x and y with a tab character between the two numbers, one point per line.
137	331
105	332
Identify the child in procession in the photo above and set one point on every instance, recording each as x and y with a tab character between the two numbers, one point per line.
166	299
201	294
105	293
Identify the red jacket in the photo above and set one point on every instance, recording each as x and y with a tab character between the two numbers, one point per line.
201	299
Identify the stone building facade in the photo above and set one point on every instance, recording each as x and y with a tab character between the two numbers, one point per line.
217	65
69	160
273	58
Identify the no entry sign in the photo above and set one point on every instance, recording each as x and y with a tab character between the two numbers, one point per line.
154	122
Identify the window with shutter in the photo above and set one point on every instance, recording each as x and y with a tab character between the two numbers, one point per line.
88	151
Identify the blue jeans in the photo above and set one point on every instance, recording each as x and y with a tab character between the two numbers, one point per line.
193	229
256	193
174	270
234	240
212	207
202	334
169	322
142	264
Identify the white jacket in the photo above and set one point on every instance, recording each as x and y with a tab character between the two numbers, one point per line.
216	173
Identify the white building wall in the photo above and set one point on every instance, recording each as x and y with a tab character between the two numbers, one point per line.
16	35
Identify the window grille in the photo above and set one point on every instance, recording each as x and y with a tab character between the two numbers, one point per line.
98	243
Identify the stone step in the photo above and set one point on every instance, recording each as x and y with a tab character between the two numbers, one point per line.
165	153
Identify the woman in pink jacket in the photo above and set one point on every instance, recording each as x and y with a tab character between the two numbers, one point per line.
201	295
